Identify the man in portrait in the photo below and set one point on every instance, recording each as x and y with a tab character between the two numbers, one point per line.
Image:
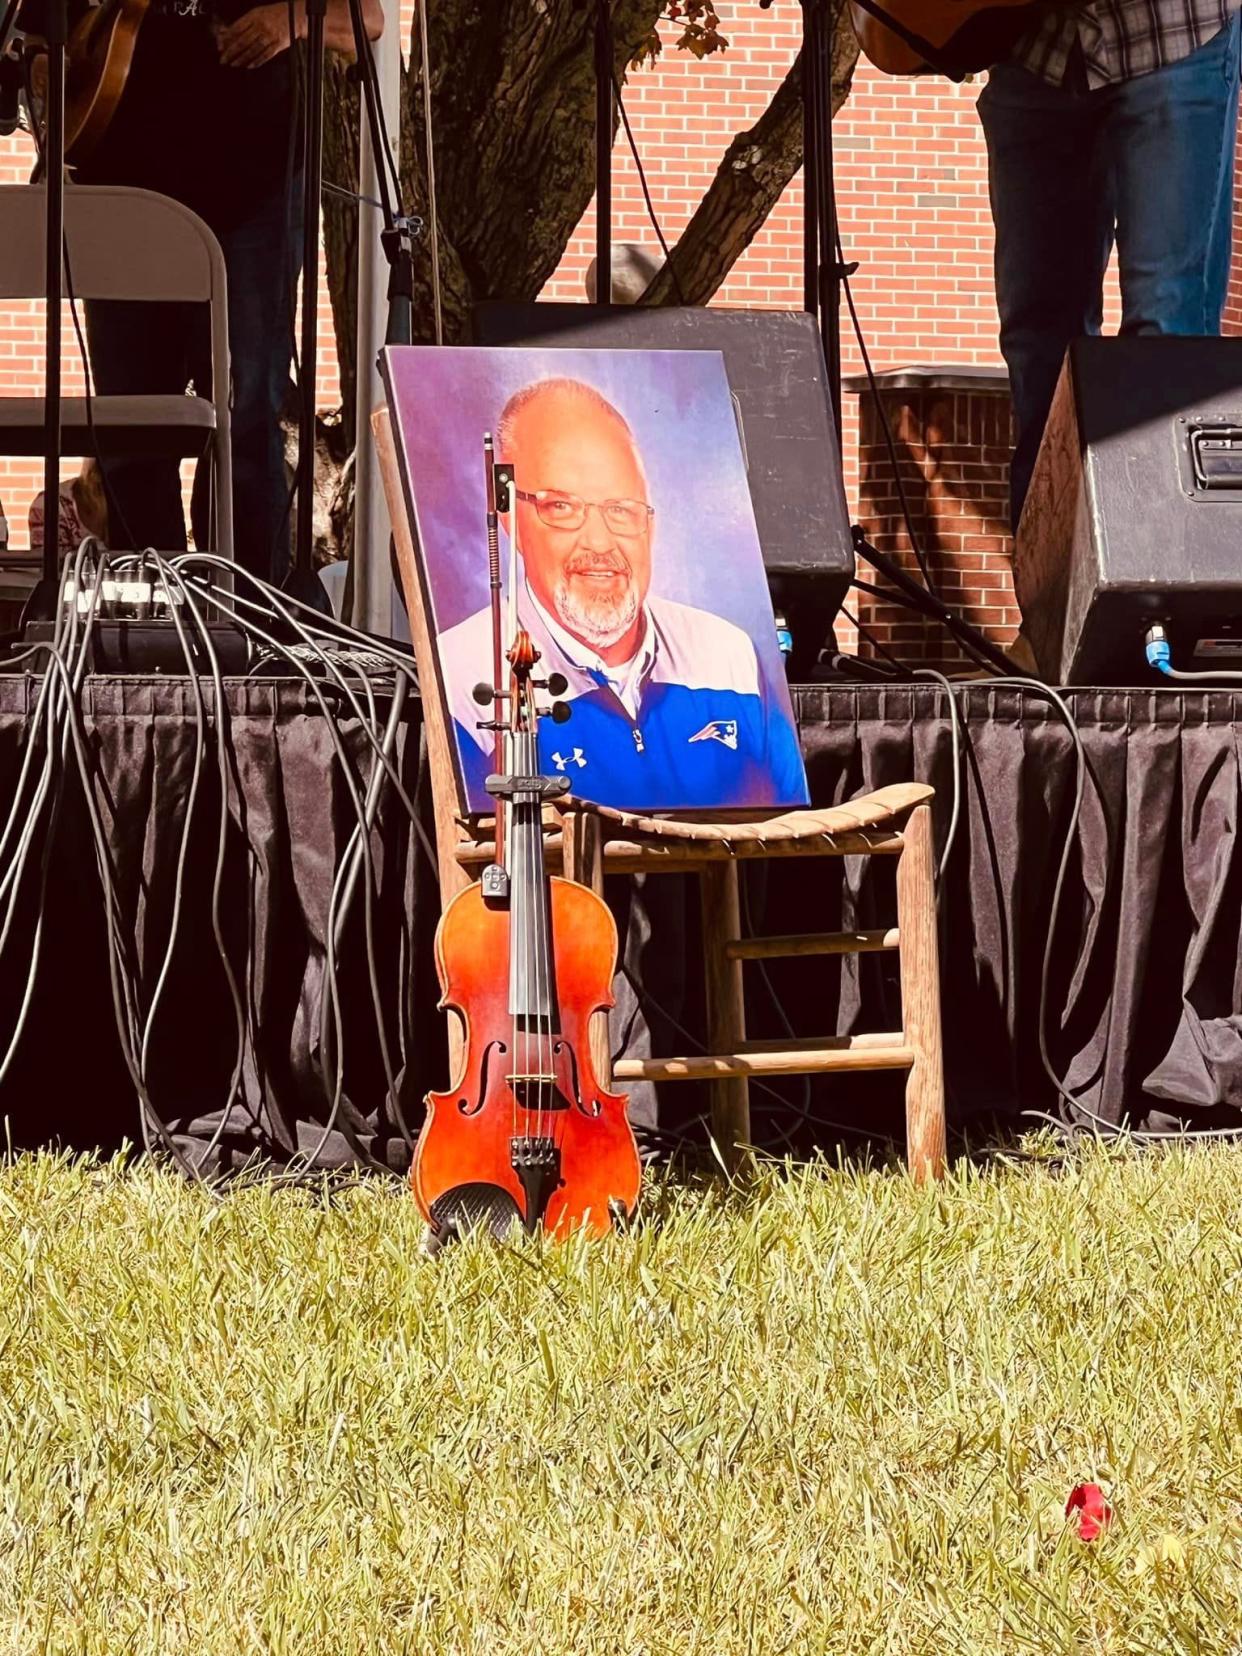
669	706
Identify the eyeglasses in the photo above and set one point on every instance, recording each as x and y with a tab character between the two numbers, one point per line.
567	511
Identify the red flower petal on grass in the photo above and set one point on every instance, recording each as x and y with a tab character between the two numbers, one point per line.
1094	1512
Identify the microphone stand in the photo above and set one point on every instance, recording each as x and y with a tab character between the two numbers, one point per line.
401	229
397	240
302	582
824	271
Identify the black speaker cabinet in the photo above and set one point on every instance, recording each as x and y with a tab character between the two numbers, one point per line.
1135	511
775	364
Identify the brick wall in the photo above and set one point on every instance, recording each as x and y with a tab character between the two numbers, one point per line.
912	198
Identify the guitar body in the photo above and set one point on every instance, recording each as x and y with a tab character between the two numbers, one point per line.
467	1135
961	36
99	56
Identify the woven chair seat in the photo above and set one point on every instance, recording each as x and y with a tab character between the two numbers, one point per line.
881	810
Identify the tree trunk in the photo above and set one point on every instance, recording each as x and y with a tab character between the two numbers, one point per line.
513	110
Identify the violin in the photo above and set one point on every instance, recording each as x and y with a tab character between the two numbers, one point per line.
526	1134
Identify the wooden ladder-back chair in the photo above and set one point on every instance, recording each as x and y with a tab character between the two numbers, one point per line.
589	841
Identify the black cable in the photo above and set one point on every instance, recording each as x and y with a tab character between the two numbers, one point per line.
600	276
330	1037
283	601
67	656
122	977
167	574
878	403
388	173
880	649
906	600
968	635
955	815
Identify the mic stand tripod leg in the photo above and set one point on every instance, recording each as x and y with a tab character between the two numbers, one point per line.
43	601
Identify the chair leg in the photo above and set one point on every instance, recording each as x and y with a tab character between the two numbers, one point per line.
582	842
583	853
726	1008
920	998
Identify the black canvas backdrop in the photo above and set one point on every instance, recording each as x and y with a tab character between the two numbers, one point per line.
1144	990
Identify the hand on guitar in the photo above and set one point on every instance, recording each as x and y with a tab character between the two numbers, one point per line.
258	35
262	33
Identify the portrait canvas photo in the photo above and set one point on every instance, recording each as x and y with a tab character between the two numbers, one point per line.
638	571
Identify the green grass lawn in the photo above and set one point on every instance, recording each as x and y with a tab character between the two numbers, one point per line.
833	1413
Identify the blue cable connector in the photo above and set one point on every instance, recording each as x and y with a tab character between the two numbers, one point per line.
1157	649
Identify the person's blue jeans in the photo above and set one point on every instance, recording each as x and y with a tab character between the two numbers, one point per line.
1147	162
154	348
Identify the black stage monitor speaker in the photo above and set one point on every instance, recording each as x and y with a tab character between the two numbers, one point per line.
1134	515
775	364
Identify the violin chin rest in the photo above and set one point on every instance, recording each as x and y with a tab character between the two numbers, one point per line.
467	1207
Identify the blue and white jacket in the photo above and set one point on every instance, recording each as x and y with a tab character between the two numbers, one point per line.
689	724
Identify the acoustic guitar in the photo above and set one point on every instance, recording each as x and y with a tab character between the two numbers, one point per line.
99	56
948	37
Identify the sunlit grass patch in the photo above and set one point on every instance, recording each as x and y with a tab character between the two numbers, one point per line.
832	1413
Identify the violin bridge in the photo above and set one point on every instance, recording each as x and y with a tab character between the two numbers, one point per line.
537	1092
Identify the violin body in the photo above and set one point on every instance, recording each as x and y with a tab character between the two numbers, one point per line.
527	1089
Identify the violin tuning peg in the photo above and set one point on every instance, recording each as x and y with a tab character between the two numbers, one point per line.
560	711
483	693
557	684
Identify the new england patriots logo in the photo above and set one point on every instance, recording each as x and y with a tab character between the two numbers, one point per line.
719	730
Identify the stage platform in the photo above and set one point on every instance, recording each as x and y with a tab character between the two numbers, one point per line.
1143	995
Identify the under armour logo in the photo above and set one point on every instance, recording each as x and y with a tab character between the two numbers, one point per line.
719	730
560	760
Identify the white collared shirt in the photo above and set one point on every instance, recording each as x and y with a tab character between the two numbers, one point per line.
626	678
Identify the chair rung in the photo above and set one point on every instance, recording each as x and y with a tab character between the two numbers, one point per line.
825	1043
800	1058
811	943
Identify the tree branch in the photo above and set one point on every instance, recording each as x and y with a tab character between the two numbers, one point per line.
755	172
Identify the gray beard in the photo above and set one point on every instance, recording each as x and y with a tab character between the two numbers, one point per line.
601	623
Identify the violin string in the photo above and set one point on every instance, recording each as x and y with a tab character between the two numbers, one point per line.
529	964
543	939
539	920
515	898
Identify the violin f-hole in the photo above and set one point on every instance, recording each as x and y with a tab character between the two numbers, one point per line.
592	1110
463	1104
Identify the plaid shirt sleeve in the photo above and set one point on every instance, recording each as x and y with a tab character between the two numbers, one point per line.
1120	39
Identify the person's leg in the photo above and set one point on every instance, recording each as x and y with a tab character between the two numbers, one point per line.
135	349
1170	137
263	258
1053	214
